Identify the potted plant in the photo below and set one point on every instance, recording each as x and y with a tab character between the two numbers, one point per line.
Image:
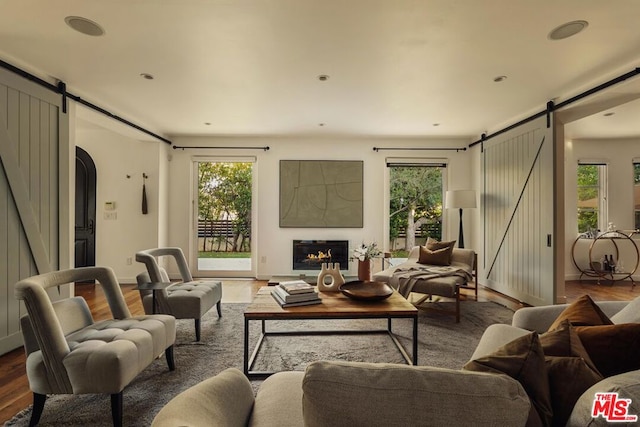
364	254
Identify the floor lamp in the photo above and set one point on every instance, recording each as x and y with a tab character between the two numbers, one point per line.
459	199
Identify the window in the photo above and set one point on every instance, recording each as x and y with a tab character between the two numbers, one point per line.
592	197
415	203
636	194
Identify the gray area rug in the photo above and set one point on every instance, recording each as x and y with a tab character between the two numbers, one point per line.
442	343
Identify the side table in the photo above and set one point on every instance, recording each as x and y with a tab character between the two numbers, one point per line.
153	287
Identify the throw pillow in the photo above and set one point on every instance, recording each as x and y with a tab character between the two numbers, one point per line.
436	252
434	244
569	378
523	360
434	257
569	368
565	342
582	312
629	314
627	386
614	349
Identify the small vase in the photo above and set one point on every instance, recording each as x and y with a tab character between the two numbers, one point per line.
364	270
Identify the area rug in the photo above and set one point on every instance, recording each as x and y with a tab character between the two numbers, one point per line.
441	343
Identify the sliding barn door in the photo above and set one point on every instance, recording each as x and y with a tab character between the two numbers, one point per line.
30	129
518	213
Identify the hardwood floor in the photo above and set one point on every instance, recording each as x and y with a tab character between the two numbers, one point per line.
14	388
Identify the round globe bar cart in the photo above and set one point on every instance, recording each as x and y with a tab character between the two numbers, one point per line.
615	240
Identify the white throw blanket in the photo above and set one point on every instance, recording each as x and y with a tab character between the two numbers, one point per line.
405	278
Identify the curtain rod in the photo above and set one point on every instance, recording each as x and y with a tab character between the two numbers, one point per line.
376	149
61	89
552	107
176	147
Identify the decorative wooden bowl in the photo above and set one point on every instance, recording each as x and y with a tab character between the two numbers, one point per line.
366	291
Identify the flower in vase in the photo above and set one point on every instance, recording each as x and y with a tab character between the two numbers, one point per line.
365	252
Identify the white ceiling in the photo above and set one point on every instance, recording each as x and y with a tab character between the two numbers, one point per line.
396	67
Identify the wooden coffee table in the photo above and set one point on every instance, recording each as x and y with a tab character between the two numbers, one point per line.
334	306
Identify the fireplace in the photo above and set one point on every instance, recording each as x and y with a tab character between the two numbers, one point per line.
310	254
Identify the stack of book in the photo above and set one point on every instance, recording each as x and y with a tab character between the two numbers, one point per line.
294	293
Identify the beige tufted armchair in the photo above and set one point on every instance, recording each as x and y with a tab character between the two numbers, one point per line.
189	299
69	353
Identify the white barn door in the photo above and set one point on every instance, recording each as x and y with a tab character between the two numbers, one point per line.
31	125
518	213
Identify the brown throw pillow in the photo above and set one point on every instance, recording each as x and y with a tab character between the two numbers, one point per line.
569	378
582	312
523	360
565	342
569	368
435	257
614	349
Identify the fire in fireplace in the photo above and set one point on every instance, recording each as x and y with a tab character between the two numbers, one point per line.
310	254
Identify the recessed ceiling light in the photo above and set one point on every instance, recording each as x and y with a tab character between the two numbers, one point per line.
608	114
567	30
436	124
323	77
321	124
499	79
147	76
207	123
84	25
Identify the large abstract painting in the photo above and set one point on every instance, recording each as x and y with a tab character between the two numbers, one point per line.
321	193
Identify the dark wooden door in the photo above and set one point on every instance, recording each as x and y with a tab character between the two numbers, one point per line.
85	245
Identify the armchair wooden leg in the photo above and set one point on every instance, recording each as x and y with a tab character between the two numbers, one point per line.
170	360
38	406
219	308
197	329
458	306
116	409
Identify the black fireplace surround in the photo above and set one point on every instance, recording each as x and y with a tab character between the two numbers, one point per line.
310	254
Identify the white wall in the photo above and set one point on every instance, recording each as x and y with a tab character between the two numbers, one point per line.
274	244
618	155
116	156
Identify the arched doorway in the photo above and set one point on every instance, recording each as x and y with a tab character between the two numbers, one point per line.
85	223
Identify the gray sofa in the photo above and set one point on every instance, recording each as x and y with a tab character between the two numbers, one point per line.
368	394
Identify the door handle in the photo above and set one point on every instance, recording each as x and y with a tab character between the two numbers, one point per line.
91	230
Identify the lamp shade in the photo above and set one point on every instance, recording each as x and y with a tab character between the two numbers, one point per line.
458	199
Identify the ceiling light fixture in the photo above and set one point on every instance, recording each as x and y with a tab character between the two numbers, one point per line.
436	124
323	77
321	124
84	26
567	30
609	114
207	123
499	79
147	76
